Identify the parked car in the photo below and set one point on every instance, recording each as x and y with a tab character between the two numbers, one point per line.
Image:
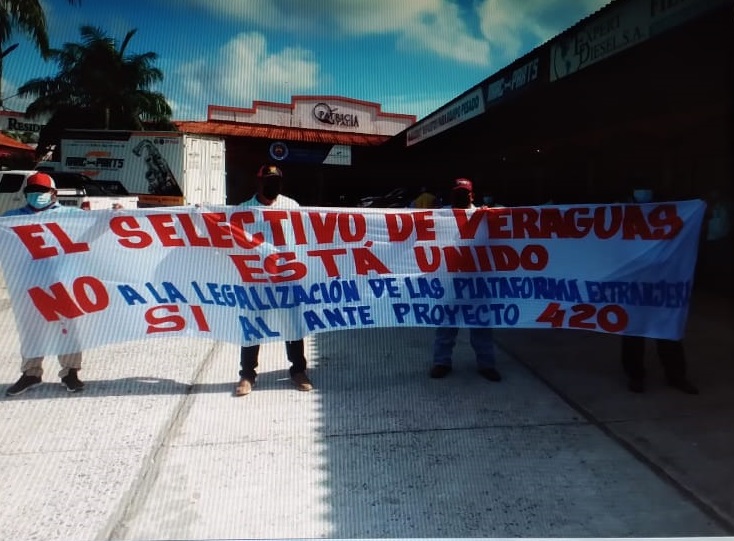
397	198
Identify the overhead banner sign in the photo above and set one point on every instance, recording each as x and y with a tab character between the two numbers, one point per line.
453	114
252	275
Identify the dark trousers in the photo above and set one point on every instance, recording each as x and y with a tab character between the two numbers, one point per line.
670	352
294	351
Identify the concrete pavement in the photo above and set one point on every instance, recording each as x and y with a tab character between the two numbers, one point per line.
157	447
688	440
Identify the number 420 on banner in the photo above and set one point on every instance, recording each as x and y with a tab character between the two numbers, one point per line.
611	318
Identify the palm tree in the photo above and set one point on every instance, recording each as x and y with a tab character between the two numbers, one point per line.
98	86
28	17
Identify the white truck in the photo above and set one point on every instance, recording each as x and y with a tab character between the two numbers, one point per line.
72	189
161	168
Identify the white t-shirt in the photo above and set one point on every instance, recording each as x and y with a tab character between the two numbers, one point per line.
281	202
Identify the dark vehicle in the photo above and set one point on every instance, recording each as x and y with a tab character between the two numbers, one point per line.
93	188
395	199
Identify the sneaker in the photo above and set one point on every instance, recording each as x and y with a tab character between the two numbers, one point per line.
439	371
490	373
301	381
244	387
684	386
23	384
72	382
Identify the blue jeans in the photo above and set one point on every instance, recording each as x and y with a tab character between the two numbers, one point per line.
480	339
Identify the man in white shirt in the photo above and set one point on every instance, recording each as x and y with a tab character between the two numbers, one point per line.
269	186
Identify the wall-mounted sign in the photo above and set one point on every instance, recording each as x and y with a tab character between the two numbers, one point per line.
18	123
311	153
453	114
278	151
512	80
331	116
621	27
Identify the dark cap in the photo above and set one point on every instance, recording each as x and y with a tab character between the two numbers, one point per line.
269	171
463	184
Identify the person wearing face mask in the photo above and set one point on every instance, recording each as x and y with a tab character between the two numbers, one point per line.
480	338
642	195
670	352
489	202
269	187
40	194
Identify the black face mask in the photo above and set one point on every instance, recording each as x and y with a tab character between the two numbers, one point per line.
460	199
271	188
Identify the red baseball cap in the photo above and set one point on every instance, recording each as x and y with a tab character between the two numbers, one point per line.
42	180
463	184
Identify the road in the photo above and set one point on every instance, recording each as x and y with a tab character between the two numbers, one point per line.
157	447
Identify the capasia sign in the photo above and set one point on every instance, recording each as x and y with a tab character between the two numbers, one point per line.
329	115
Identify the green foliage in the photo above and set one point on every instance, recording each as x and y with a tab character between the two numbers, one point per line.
98	86
26	16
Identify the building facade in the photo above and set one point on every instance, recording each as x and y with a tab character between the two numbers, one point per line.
322	143
642	91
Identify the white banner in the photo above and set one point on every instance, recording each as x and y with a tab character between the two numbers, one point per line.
251	275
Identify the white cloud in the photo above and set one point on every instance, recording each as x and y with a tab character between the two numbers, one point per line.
244	70
439	29
11	101
514	28
434	26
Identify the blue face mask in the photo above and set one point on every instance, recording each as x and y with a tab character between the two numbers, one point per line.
39	200
642	196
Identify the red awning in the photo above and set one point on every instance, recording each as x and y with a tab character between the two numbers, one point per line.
8	143
279	133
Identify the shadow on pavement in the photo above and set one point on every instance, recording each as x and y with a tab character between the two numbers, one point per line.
409	456
147	386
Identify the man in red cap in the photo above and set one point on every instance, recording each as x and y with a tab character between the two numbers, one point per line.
480	338
40	194
269	186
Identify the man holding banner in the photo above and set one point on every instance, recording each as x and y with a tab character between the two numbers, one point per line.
269	186
670	352
40	194
88	279
462	197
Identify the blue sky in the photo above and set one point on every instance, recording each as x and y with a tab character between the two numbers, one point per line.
411	56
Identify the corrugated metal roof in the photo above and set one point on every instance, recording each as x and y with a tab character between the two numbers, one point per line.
280	133
7	141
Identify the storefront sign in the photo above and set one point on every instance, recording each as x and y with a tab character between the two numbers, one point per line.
509	82
615	31
447	117
620	28
311	153
18	123
331	116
